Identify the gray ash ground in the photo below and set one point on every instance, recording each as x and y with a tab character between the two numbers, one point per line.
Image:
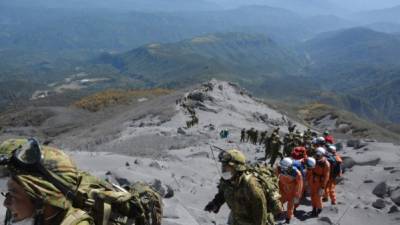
150	142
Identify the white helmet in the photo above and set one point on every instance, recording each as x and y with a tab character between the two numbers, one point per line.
310	162
320	151
332	148
285	163
321	140
314	141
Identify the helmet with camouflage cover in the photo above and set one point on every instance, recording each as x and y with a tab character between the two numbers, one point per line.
6	149
9	145
235	158
36	185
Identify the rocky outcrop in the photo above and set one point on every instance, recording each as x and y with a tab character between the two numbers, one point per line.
381	190
379	204
356	143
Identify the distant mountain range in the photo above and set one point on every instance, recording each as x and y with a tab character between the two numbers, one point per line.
361	67
350	49
271	51
120	5
249	59
391	14
340	68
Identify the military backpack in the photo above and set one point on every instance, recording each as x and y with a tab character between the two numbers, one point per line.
110	204
270	184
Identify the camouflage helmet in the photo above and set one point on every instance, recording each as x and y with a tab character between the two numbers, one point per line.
6	149
235	158
57	163
9	145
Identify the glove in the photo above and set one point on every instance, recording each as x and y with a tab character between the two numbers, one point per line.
296	200
321	192
211	207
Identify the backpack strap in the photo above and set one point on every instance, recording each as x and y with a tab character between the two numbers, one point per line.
102	209
75	217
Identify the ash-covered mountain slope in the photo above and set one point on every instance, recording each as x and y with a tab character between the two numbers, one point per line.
161	124
159	148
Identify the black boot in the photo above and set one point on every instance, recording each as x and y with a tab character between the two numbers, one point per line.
287	221
313	212
319	211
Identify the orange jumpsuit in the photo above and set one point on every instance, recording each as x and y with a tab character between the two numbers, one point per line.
330	189
290	187
317	179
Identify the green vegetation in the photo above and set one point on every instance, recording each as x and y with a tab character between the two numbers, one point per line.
101	100
248	59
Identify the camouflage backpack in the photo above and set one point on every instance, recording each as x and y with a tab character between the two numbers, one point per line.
270	183
110	204
106	203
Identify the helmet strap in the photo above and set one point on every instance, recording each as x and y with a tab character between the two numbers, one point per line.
39	212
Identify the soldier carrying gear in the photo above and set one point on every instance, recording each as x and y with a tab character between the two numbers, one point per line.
50	180
298	139
291	128
288	144
242	135
39	184
249	133
242	192
255	137
274	147
262	137
307	138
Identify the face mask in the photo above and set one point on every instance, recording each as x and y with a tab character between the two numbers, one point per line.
226	175
27	221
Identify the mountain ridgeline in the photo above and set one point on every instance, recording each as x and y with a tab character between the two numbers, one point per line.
339	68
361	67
242	57
326	53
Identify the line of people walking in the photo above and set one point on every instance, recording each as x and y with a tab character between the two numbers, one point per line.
312	167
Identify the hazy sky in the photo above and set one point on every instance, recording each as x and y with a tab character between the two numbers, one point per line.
329	5
366	4
353	5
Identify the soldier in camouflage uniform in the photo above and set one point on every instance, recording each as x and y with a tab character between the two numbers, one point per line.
274	147
242	135
262	137
249	134
255	137
31	198
298	139
307	138
288	143
242	192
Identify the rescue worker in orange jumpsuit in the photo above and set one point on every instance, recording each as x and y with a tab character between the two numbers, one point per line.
304	166
317	179
290	185
330	189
